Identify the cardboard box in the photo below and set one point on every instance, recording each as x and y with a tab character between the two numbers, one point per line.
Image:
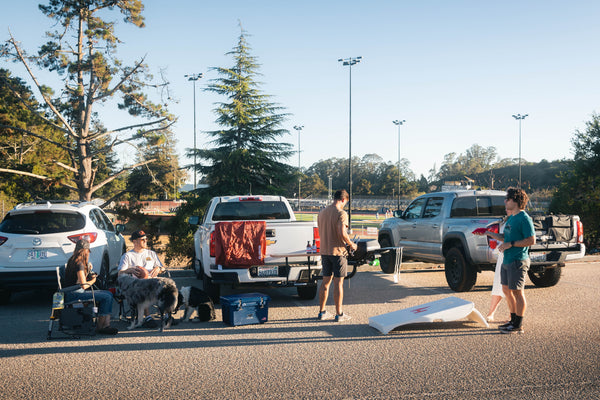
245	309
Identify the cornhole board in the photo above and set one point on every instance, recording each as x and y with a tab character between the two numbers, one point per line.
444	310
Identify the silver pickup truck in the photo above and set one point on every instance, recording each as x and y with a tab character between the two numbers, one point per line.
438	227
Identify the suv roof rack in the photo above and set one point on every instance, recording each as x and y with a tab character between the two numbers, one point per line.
48	203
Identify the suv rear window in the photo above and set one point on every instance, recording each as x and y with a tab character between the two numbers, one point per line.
250	210
478	206
42	222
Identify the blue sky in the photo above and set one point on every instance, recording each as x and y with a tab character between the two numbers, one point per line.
454	70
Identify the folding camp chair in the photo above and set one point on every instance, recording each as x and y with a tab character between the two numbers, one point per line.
75	318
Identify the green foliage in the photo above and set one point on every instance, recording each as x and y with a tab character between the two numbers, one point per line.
20	151
82	51
247	151
579	190
162	177
181	233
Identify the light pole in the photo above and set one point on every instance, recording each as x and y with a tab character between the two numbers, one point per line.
350	61
194	78
298	128
519	118
398	123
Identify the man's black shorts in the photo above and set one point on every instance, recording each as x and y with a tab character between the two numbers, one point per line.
336	265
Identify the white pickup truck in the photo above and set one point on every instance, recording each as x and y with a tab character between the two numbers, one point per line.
281	257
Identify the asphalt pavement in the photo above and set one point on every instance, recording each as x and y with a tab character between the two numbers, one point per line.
295	356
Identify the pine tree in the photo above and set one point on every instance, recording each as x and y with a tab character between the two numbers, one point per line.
248	155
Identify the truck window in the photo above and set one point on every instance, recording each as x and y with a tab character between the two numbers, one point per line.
478	206
250	210
415	209
433	207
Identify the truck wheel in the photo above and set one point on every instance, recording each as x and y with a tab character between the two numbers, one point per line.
200	271
308	292
460	275
548	277
212	289
387	260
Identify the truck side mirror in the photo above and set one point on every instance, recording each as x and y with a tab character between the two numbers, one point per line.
398	214
194	220
120	228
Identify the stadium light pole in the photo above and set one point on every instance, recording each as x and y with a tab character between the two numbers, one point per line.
350	61
520	118
298	128
194	78
399	123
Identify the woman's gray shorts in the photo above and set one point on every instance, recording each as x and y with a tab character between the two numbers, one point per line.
513	274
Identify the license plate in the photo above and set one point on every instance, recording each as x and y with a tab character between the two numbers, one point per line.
264	272
537	257
37	254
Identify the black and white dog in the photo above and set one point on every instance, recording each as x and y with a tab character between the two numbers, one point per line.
192	298
143	293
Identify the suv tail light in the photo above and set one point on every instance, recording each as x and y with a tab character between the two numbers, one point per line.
213	244
579	232
90	236
3	240
317	238
495	228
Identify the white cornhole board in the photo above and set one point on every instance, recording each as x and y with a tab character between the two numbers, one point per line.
444	310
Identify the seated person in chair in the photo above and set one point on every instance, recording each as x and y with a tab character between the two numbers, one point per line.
79	272
142	263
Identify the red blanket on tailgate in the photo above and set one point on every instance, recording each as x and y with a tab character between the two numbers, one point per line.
240	243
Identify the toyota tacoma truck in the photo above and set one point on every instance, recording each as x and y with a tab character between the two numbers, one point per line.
438	227
255	241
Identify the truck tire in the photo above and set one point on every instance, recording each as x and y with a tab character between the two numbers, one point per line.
548	277
460	275
212	289
387	260
308	292
200	271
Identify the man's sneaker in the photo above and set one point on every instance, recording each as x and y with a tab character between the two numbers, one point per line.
512	329
323	315
343	317
504	326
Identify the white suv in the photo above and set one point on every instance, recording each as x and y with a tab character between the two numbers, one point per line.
35	238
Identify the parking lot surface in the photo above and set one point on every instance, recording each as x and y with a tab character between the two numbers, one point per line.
295	356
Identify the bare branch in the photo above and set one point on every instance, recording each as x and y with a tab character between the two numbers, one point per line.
25	131
110	92
121	172
67	167
48	101
41	177
101	135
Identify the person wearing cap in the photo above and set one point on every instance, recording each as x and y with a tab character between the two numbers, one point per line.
140	261
79	272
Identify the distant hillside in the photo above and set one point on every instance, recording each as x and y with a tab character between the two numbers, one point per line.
534	176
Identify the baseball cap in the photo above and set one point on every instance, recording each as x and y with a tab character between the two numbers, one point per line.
138	235
82	244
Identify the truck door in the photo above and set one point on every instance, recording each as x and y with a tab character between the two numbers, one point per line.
408	227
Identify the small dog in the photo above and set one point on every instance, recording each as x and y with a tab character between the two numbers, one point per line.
192	298
142	293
